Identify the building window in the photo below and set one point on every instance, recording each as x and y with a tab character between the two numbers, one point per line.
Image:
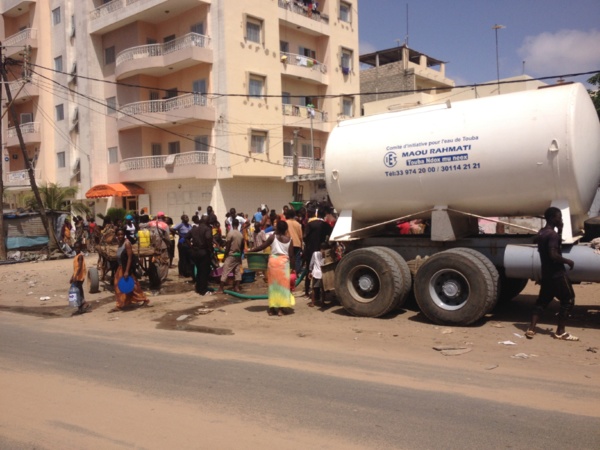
56	16
59	112
156	149
345	12
307	52
201	143
61	160
284	47
254	30
256	86
258	142
197	28
348	106
173	148
113	155
346	61
287	149
58	65
109	55
111	105
286	98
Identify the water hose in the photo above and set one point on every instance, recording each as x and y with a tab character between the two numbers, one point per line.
262	296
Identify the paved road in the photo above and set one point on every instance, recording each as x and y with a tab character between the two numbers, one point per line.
279	388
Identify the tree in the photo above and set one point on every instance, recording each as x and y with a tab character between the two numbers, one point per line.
55	197
595	80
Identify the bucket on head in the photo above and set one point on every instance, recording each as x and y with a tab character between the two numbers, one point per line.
297	205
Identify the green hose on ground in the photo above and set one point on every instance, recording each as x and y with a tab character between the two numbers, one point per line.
259	297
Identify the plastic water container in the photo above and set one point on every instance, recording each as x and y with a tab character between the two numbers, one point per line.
144	238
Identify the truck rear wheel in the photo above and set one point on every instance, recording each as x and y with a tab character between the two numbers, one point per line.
510	288
490	267
406	275
369	283
454	288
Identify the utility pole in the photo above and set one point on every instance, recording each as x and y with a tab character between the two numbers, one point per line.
496	28
295	165
53	243
311	113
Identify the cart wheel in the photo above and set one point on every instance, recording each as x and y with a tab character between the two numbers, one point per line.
93	281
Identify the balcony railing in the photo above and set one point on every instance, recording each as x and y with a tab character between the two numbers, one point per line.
161	106
26	128
20	177
16	85
303	111
15	39
159	162
299	8
304	163
150	50
303	61
110	7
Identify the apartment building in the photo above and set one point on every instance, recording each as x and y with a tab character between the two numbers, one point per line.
174	104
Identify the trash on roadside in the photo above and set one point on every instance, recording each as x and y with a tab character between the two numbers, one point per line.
520	336
492	367
203	311
521	356
593	349
452	350
497	325
44	298
183	317
507	343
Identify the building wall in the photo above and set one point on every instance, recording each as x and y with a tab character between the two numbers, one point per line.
239	177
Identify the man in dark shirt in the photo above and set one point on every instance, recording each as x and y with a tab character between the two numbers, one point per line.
555	282
316	232
199	238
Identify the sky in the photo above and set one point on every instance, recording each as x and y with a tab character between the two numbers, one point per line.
542	37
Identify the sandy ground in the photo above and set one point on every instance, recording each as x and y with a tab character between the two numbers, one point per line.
24	288
40	289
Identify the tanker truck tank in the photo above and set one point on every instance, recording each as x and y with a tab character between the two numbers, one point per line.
507	155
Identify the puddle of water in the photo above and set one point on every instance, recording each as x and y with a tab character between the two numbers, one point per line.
169	322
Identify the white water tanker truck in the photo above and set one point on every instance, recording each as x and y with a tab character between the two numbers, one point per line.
451	164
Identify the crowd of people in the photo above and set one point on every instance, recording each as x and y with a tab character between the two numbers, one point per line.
291	237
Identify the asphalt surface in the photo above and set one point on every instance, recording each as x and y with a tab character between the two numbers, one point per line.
259	387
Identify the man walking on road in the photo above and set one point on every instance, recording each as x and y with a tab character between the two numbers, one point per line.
555	282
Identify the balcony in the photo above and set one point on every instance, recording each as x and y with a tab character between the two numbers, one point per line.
118	13
295	14
166	113
15	8
30	131
16	43
22	90
304	163
199	165
20	178
299	116
160	59
303	67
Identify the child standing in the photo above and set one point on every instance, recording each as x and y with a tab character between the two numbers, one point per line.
316	275
79	272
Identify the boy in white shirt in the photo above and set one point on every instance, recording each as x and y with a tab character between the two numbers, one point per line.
316	275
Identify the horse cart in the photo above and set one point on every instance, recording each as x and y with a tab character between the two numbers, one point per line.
107	265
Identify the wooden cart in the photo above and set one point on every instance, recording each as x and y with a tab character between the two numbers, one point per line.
107	263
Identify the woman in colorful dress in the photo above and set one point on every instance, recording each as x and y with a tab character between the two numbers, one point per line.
282	252
124	270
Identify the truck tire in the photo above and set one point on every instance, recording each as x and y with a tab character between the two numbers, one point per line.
93	280
368	282
406	275
454	288
510	288
490	267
